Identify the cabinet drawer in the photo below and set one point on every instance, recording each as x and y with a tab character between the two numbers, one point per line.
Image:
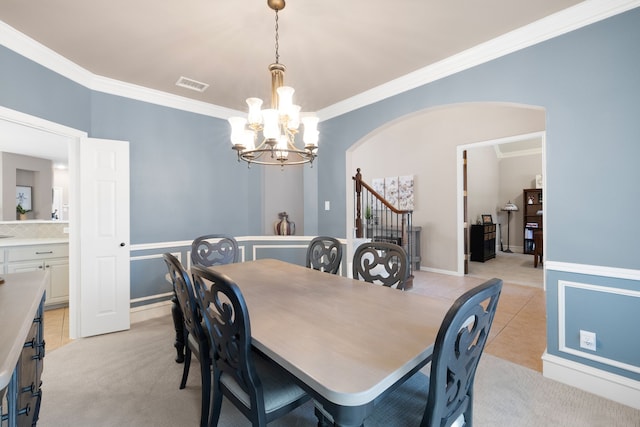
38	252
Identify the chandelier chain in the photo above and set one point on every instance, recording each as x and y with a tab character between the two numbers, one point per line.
277	40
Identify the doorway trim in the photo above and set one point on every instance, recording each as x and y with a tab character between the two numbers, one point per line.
460	149
73	136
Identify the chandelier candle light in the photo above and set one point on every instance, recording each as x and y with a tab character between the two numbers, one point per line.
278	124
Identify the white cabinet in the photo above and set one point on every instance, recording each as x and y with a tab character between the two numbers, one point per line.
54	258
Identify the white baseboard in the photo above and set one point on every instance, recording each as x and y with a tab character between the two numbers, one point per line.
604	384
150	311
439	271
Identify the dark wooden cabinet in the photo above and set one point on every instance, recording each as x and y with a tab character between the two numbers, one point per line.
483	242
531	217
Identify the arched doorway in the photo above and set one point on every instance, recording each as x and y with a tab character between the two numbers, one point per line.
425	144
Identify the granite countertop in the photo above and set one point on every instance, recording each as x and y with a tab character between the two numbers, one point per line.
7	242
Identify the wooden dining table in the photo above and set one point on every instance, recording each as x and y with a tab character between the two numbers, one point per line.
348	343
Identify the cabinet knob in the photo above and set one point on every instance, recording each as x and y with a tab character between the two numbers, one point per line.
122	244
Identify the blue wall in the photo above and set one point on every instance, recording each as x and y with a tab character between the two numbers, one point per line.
32	89
185	181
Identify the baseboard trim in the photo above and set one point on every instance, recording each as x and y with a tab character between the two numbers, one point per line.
439	271
601	383
150	311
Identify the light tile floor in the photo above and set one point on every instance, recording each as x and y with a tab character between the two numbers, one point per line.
56	328
518	333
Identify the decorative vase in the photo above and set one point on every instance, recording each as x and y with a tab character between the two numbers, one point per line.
22	217
284	227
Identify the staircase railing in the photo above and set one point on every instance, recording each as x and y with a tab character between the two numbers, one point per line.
377	219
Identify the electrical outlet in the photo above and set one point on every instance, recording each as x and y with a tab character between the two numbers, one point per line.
588	340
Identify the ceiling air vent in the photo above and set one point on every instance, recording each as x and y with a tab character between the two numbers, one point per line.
191	84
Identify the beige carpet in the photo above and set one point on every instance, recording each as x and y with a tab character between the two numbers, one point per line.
511	268
131	379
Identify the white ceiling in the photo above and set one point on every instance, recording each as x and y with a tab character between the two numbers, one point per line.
333	49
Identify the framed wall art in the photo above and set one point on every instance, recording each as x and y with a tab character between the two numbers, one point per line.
23	197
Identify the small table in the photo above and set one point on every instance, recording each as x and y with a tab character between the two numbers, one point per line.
347	342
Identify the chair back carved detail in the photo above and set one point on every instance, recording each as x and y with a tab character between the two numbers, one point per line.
324	254
381	262
214	249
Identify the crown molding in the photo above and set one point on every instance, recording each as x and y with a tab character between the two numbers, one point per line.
552	26
544	29
141	93
31	49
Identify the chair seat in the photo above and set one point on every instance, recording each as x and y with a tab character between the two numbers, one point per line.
278	390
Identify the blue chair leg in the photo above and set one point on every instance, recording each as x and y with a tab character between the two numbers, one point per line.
187	364
205	373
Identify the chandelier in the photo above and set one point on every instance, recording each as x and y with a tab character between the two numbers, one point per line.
278	124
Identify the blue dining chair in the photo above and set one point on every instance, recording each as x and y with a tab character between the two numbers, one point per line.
195	339
382	263
257	386
446	396
324	254
214	249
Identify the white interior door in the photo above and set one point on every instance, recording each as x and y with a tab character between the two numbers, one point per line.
104	236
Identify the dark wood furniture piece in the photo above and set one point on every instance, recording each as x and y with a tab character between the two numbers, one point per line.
326	331
537	248
457	351
324	254
382	263
194	336
483	242
21	347
214	249
531	217
207	250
